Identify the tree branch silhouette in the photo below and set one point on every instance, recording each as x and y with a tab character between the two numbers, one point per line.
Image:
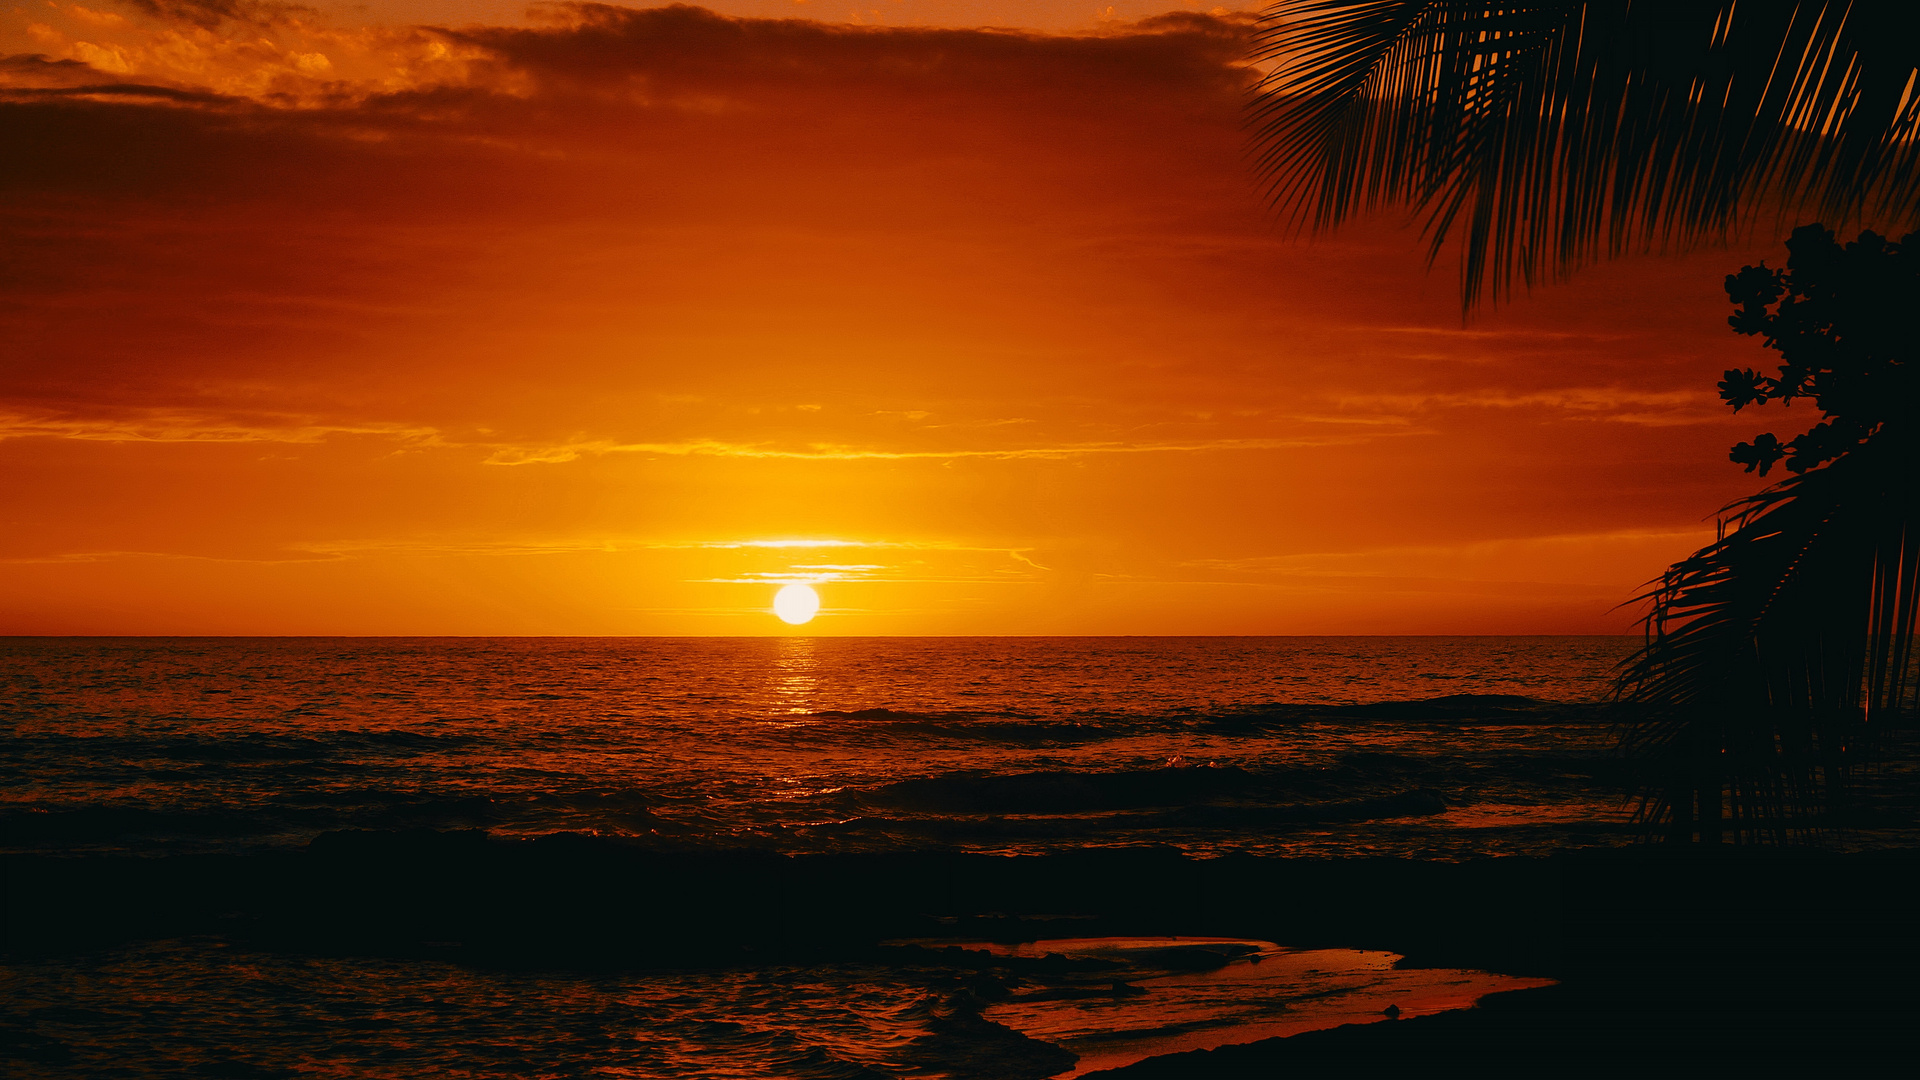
1776	658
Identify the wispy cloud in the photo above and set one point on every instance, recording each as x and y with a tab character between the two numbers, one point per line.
723	544
1613	560
205	426
615	544
565	452
188	426
1610	403
292	554
1510	334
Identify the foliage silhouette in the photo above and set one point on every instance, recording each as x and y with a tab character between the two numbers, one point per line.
1547	134
1542	135
1776	657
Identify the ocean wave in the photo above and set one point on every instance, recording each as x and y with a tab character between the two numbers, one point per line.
97	826
1083	727
238	749
1504	709
883	715
1060	790
952	829
1490	708
1006	728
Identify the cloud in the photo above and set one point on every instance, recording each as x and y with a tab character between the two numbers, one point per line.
589	45
676	57
1524	333
548	455
84	557
39	71
1022	283
218	426
555	545
1618	404
1615	560
181	426
281	55
209	14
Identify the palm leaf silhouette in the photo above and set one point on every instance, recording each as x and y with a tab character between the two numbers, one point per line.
1776	657
1543	135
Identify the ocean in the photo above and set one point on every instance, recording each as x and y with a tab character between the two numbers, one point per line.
1426	747
142	753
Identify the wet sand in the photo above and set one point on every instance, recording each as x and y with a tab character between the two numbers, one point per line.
1755	957
1160	996
1704	962
1560	1032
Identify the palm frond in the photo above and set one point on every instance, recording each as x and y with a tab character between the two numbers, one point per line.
1776	657
1547	134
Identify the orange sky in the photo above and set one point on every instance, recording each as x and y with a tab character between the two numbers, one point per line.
609	322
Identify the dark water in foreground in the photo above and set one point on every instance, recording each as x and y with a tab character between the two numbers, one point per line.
1266	745
1429	748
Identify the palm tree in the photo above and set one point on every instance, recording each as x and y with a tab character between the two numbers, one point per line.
1541	136
1777	656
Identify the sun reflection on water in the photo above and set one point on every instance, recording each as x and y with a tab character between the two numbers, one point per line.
795	683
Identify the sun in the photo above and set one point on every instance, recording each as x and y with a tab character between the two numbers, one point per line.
796	604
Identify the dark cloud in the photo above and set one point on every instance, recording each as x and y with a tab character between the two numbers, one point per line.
202	218
616	81
40	71
209	14
686	47
34	77
308	307
618	160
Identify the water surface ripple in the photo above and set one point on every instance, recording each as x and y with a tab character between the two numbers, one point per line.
1434	747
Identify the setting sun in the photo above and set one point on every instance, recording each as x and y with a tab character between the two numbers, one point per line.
411	412
796	604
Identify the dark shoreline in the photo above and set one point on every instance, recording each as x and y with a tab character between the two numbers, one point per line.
570	900
1754	957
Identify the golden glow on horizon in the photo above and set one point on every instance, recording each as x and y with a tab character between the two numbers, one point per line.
796	604
814	286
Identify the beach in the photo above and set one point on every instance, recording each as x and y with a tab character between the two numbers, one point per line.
957	539
963	858
1653	952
